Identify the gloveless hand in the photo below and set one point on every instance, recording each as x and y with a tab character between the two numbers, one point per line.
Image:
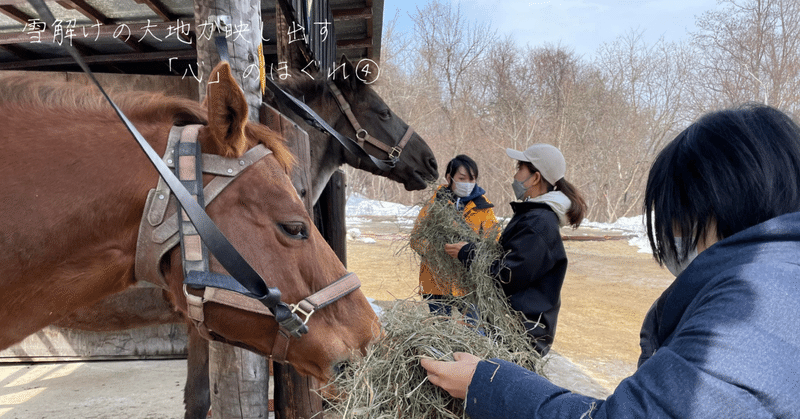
453	377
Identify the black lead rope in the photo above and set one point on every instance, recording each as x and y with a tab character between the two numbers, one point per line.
214	240
311	118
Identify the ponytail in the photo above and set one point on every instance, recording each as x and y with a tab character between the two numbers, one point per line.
578	208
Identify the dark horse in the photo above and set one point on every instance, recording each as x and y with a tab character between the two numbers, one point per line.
74	186
416	166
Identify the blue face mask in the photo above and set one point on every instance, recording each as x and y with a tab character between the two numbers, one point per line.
676	266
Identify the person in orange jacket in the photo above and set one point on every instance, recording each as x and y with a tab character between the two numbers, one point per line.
468	198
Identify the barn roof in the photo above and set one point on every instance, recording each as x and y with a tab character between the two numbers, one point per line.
141	36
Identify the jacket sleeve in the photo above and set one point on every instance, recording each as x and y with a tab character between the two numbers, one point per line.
706	370
670	387
491	223
527	256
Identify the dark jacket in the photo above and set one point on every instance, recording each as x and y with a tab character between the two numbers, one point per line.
726	341
532	272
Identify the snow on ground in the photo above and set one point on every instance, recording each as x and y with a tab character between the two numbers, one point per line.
359	208
358	205
631	225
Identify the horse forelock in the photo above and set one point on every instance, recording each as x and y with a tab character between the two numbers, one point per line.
274	142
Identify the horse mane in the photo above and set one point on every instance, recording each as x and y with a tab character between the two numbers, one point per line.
31	93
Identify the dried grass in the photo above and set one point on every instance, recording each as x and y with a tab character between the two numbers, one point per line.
388	382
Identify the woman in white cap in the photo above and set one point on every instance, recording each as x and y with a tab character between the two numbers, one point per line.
722	205
532	272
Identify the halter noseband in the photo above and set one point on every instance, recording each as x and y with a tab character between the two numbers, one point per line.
362	135
159	233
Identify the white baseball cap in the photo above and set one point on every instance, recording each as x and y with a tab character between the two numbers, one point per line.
545	158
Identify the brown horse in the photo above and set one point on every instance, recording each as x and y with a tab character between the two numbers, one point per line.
139	307
74	185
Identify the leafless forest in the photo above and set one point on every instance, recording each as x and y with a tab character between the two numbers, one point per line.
466	89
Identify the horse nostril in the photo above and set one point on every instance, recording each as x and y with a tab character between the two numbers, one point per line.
433	166
341	367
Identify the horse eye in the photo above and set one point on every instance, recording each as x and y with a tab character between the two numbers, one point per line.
385	114
295	230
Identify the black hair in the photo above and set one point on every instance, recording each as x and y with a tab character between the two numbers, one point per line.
730	170
460	161
577	210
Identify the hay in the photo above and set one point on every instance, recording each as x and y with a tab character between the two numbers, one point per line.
388	381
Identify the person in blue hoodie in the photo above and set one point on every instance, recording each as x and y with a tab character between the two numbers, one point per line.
469	200
721	205
535	263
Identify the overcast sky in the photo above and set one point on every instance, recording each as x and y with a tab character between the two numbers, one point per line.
580	24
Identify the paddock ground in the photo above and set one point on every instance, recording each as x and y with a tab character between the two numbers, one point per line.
608	289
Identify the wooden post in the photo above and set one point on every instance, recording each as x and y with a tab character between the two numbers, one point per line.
238	379
329	215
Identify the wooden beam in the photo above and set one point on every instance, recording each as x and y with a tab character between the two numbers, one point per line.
354	43
352	14
159	8
137	31
16	14
338	14
370	30
86	9
20	52
103	59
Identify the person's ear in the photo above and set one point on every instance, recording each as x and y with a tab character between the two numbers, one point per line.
537	177
448	178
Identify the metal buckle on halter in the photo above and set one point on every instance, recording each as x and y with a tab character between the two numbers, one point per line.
394	154
362	134
296	308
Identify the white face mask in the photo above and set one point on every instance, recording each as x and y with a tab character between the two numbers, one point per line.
463	189
675	266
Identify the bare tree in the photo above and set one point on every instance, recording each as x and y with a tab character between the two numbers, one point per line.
649	83
749	51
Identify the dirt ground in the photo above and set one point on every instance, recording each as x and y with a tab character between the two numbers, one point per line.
608	289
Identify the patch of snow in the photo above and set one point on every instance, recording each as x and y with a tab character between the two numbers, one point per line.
378	311
633	225
358	205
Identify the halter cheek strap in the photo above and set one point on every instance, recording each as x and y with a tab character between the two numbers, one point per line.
362	135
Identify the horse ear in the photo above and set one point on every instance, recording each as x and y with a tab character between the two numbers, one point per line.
345	73
227	111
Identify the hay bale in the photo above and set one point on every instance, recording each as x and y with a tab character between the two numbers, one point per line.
388	381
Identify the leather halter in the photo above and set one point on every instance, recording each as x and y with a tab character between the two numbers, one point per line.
159	233
242	273
362	135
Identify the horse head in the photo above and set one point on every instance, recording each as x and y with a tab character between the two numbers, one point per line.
416	164
263	217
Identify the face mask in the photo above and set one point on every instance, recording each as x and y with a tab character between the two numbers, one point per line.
675	266
463	189
519	188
